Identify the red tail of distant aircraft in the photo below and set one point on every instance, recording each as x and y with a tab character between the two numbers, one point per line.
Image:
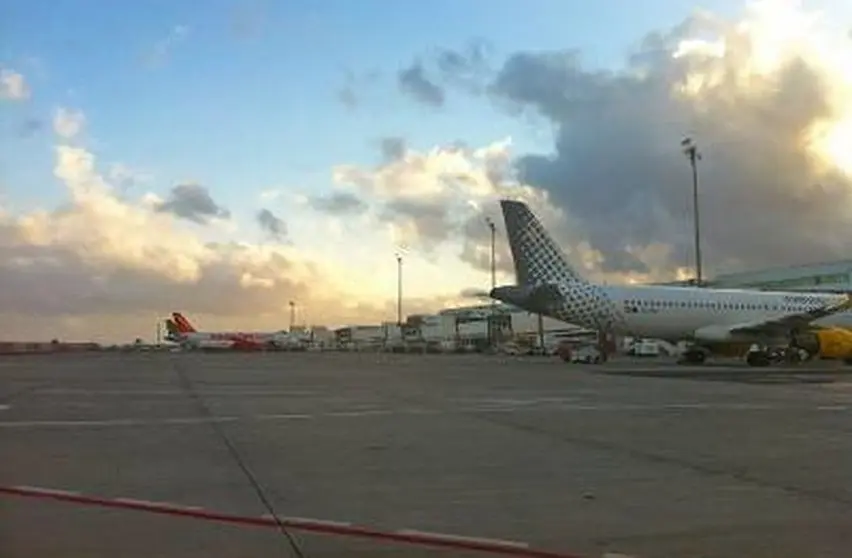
182	323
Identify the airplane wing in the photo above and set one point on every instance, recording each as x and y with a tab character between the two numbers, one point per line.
783	325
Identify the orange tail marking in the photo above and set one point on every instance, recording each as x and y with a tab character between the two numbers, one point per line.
183	324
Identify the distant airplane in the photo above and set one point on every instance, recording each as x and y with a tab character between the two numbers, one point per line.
708	317
181	330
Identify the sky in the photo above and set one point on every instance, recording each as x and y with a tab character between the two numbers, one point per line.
225	159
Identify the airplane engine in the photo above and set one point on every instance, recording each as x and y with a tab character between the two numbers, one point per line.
827	343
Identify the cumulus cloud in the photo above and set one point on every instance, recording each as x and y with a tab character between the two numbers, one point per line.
271	224
13	85
68	123
441	198
767	196
124	178
767	99
98	257
193	202
105	267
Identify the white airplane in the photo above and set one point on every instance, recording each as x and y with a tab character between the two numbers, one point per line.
707	317
181	330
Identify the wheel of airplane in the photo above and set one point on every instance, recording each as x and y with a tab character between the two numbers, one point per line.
757	358
693	356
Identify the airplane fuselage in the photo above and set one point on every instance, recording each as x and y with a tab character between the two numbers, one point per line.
224	340
665	312
676	313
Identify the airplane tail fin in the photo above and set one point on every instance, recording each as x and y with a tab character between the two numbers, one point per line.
182	323
538	259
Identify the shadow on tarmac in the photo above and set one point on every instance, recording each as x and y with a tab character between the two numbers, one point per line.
807	373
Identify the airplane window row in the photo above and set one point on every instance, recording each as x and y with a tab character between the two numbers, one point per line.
713	305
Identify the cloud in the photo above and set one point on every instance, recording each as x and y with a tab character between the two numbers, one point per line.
271	224
355	86
753	98
392	148
338	203
98	256
469	60
68	123
414	82
428	77
767	99
440	199
124	178
106	267
193	203
467	67
13	85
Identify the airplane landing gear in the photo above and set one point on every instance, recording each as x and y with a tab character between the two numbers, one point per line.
758	357
693	355
764	356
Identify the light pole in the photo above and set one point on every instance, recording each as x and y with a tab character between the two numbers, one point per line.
399	291
292	315
493	228
690	149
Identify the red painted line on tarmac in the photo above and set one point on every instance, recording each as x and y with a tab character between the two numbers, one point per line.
405	536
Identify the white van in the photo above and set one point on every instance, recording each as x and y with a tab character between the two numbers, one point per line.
646	347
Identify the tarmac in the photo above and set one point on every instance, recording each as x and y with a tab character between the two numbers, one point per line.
642	458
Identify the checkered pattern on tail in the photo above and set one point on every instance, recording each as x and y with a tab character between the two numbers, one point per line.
538	259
